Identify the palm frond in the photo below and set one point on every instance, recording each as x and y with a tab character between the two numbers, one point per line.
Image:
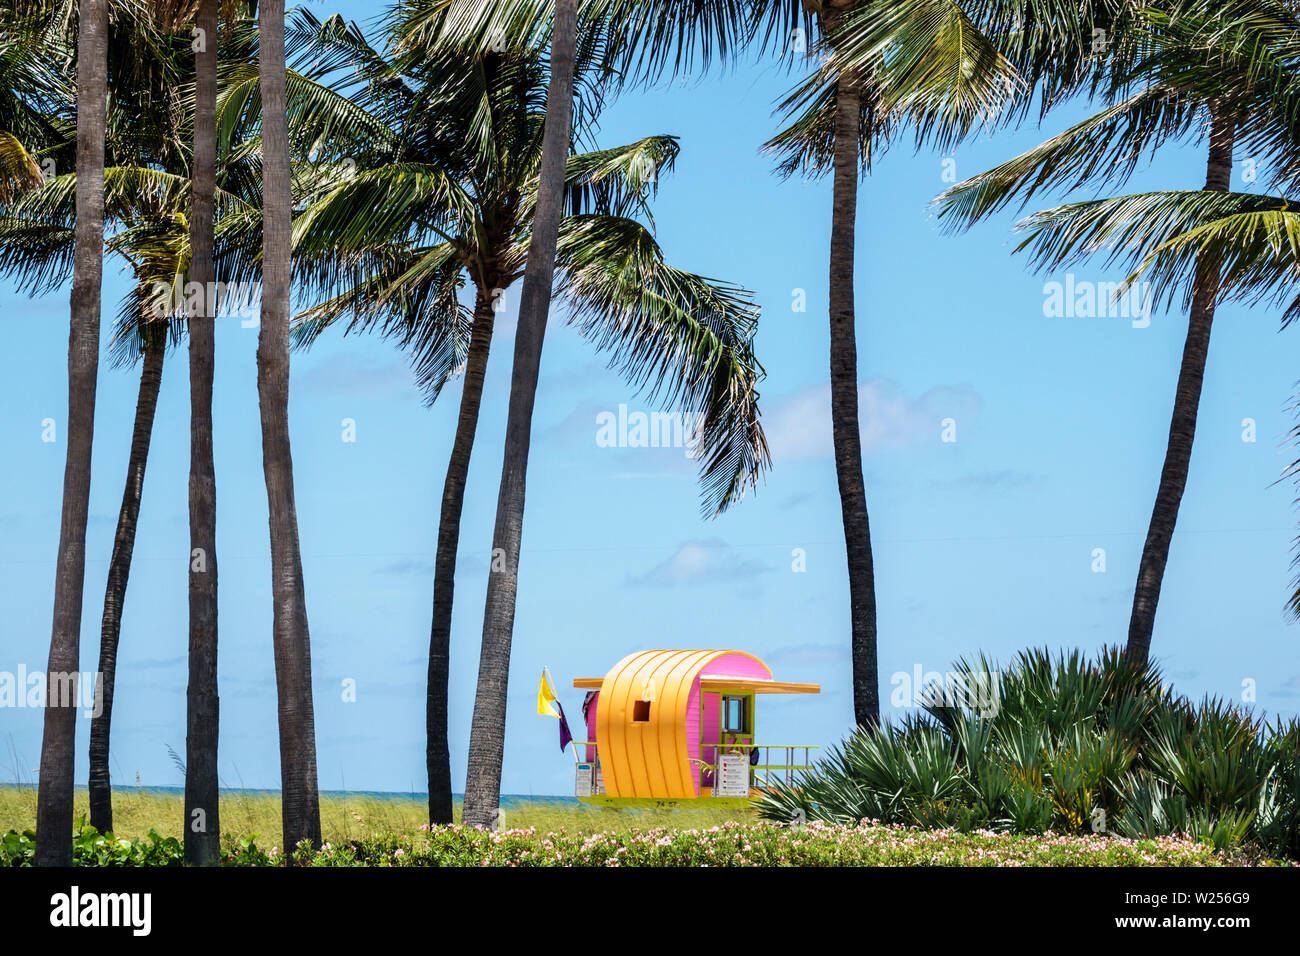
616	181
381	205
18	169
412	300
686	339
1103	149
933	66
321	119
806	147
1159	237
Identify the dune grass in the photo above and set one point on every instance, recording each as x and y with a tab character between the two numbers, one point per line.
137	810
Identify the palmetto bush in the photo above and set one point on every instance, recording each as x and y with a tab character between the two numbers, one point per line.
1064	743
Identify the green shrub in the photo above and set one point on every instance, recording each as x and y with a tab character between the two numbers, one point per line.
1277	812
92	848
1067	745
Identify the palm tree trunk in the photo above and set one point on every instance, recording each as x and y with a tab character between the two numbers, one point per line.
437	752
202	813
119	570
1182	426
487	729
58	743
300	798
844	405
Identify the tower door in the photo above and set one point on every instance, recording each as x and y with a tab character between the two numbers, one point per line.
710	734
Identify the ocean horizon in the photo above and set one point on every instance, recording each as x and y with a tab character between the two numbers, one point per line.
506	798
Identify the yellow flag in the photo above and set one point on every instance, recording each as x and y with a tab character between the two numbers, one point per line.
546	697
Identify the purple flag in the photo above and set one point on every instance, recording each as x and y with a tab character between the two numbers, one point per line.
565	735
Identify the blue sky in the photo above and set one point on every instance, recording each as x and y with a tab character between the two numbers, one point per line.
985	543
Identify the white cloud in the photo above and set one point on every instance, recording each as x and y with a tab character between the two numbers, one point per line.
800	425
700	562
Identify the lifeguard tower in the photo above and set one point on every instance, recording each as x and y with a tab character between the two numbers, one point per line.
669	727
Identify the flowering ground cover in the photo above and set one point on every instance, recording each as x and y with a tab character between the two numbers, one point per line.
766	844
867	843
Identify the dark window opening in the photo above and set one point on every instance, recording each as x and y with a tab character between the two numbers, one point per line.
641	710
735	715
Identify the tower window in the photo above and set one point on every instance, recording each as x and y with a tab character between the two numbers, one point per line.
734	715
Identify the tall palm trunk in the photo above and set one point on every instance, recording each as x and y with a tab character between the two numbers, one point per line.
58	743
202	813
437	753
300	798
844	405
488	728
1182	426
119	570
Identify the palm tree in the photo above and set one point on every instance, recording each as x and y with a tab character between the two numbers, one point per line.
487	729
849	93
1167	239
202	804
1224	76
846	120
201	812
680	333
300	810
54	796
140	333
37	242
1250	237
930	64
1187	400
149	207
119	569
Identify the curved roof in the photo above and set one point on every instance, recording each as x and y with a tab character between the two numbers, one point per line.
651	758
